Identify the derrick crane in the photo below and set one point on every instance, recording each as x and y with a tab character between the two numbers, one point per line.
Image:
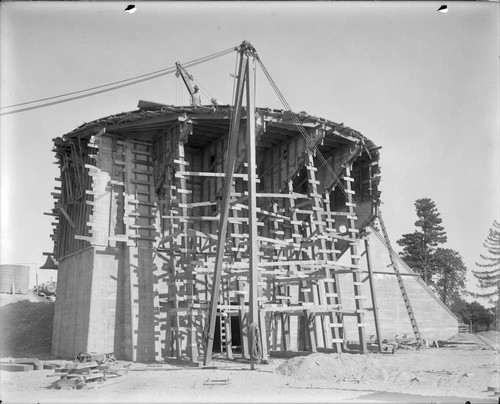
188	81
244	85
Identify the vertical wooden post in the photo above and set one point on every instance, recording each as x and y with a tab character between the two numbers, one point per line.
243	320
372	292
224	211
192	346
132	255
333	288
240	295
285	326
360	316
316	225
253	245
296	235
262	317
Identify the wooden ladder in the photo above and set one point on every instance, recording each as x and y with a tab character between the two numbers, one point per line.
226	345
401	284
223	333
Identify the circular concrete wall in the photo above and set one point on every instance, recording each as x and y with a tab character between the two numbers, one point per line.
18	275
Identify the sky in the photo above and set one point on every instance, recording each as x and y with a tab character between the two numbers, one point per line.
421	84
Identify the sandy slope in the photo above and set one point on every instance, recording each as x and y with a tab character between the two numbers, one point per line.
26	325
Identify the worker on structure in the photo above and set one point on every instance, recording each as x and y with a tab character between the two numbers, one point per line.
196	97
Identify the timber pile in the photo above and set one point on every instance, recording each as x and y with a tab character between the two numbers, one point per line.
484	340
76	375
24	364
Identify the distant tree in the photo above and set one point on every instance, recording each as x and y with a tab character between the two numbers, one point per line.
450	270
489	276
482	319
419	246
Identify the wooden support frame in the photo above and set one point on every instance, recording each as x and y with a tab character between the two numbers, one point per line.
226	195
180	206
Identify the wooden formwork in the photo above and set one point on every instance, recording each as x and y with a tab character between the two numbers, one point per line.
152	180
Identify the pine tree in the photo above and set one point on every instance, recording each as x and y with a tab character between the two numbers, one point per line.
449	266
419	246
489	277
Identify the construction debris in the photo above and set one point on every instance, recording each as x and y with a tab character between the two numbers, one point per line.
405	342
447	372
15	367
99	358
485	340
216	382
22	364
85	369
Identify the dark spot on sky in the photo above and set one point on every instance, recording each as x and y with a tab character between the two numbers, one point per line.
130	9
443	9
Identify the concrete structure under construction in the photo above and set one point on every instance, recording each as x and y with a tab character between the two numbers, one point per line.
137	216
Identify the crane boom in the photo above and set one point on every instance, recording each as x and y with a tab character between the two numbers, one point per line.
188	81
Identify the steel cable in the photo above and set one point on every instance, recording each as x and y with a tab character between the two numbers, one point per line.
318	153
111	86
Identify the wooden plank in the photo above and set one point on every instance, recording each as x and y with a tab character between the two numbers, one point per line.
299	310
292	195
84	238
373	295
63	211
288	354
179	174
15	367
36	363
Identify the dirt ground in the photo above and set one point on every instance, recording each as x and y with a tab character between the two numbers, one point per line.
433	375
26	325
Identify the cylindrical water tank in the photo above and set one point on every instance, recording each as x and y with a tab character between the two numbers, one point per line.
19	275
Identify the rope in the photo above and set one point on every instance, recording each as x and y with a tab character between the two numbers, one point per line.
255	343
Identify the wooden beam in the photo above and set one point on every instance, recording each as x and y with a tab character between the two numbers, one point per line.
373	294
142	123
288	354
224	211
253	247
63	211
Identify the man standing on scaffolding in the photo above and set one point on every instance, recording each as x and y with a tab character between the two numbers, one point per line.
196	97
